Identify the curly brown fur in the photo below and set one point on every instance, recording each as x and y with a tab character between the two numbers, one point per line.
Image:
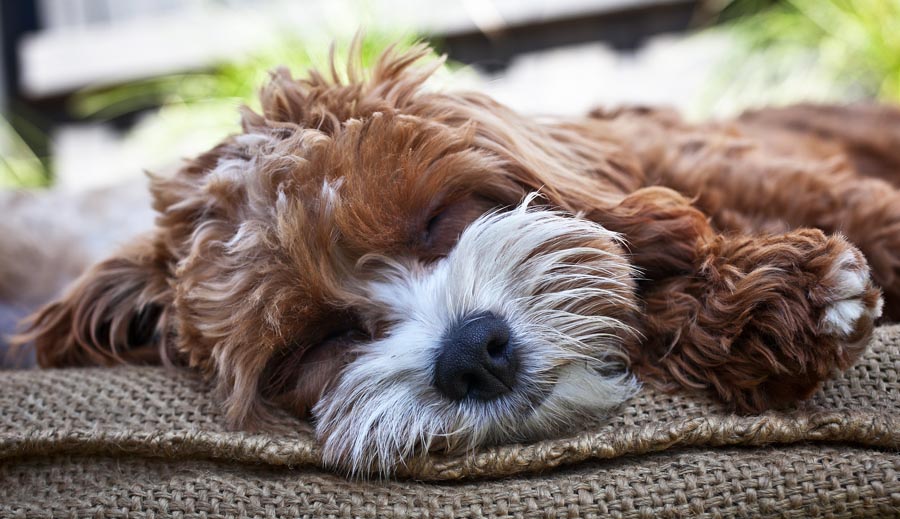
278	257
749	323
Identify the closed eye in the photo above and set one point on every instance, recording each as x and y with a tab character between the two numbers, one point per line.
443	229
345	336
433	223
341	327
431	228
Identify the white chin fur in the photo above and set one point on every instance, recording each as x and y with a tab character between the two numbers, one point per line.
564	288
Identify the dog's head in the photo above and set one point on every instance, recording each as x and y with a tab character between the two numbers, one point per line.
368	252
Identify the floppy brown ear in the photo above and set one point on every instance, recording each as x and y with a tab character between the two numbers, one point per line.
114	313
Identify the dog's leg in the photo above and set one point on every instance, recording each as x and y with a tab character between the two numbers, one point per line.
759	175
762	320
824	195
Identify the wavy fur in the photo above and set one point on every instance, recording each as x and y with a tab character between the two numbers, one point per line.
311	261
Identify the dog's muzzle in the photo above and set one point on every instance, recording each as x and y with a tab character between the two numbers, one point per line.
518	333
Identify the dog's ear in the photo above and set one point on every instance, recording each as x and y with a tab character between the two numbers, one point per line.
115	313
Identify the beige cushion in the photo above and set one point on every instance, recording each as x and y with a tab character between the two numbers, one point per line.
148	442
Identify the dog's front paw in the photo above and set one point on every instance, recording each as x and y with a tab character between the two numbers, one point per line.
763	322
850	303
821	322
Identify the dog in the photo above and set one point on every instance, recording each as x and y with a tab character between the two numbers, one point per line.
420	271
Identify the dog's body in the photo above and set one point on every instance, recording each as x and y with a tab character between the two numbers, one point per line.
362	252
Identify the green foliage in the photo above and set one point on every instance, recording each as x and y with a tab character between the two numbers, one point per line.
854	44
19	166
184	114
235	82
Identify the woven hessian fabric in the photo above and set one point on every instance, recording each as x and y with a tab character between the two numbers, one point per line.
148	442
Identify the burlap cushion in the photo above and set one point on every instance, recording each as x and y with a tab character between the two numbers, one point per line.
147	442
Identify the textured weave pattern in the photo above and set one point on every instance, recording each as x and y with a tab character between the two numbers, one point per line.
789	482
147	442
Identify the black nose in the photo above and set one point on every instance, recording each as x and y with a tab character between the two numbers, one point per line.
477	359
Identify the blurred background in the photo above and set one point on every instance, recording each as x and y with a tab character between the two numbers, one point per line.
94	92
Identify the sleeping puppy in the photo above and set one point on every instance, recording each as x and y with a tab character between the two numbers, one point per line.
423	271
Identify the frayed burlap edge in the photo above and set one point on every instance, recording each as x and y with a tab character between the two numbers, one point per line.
858	428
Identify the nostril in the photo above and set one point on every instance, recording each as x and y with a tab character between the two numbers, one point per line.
497	348
476	359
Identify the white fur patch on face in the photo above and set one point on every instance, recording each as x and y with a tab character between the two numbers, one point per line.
563	286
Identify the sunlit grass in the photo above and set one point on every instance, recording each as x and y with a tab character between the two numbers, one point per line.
835	49
186	113
235	81
19	166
